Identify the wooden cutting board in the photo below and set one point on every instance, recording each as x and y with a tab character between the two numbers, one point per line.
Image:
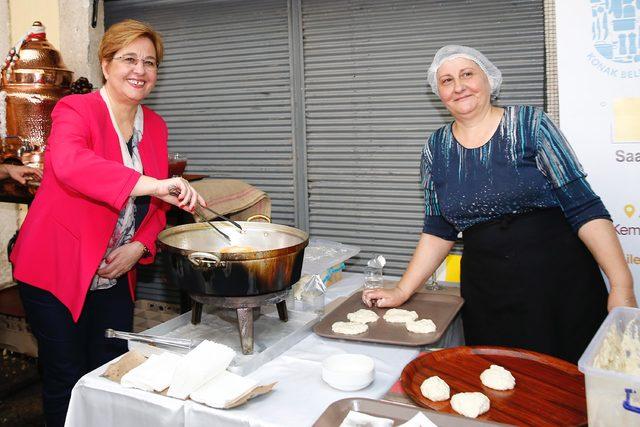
548	391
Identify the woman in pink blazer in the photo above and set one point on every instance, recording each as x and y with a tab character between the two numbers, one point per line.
92	219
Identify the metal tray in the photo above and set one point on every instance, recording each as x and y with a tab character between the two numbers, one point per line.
338	410
440	308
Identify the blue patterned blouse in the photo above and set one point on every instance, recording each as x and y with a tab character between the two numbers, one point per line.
526	165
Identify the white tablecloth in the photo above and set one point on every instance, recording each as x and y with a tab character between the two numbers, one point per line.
299	398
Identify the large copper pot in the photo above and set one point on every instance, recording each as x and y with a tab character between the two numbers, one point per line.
36	81
263	259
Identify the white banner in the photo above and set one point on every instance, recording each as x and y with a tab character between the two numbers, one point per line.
599	87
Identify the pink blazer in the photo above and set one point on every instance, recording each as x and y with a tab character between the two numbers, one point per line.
85	185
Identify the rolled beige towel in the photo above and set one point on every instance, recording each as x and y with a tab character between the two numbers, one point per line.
233	198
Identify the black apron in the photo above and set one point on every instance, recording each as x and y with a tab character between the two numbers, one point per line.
529	282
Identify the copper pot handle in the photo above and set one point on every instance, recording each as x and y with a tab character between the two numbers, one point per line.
259	216
203	260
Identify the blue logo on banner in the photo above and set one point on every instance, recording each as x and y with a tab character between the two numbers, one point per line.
615	29
615	32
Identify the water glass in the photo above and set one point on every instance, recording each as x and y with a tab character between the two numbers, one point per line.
373	277
313	303
432	284
177	164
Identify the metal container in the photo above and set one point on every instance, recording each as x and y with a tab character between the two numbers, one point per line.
264	258
36	81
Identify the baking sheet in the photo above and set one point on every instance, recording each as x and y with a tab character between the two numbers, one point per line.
548	391
338	410
440	308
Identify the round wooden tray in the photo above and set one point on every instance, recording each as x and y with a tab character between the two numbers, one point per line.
548	391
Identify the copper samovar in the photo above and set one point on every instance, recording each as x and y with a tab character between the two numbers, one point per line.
34	78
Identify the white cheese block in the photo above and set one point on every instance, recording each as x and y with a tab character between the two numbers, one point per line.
200	365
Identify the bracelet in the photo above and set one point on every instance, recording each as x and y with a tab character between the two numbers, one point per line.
145	252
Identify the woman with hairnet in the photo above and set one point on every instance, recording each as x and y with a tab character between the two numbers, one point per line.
535	234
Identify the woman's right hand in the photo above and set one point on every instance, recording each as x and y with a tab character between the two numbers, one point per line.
178	192
384	298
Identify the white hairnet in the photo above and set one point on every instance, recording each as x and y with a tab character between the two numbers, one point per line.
455	51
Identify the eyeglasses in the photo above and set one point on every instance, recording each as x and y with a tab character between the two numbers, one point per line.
132	61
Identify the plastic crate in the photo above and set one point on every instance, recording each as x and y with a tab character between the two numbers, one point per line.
613	398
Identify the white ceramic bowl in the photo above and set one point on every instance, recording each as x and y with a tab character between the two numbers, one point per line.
348	372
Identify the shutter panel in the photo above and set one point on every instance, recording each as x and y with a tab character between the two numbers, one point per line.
224	91
369	109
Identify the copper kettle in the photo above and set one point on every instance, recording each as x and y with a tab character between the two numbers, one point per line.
34	78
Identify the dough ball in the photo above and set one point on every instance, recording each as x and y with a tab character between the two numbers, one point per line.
470	404
422	326
363	316
398	315
349	328
498	378
435	389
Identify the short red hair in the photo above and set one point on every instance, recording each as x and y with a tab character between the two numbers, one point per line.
124	33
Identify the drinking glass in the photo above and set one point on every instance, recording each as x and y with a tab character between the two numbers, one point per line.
432	284
373	277
177	164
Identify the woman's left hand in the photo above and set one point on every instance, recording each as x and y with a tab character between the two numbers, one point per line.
121	260
23	173
621	297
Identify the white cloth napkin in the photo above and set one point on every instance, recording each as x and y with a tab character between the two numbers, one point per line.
419	420
199	366
154	374
358	419
223	389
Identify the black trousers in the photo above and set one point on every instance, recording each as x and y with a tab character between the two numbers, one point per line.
68	350
529	282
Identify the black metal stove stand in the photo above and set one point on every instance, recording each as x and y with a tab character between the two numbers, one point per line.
244	308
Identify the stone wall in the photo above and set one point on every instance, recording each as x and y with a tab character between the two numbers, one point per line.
78	44
79	41
8	211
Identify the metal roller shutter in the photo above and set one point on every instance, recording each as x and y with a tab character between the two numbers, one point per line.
369	110
224	92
